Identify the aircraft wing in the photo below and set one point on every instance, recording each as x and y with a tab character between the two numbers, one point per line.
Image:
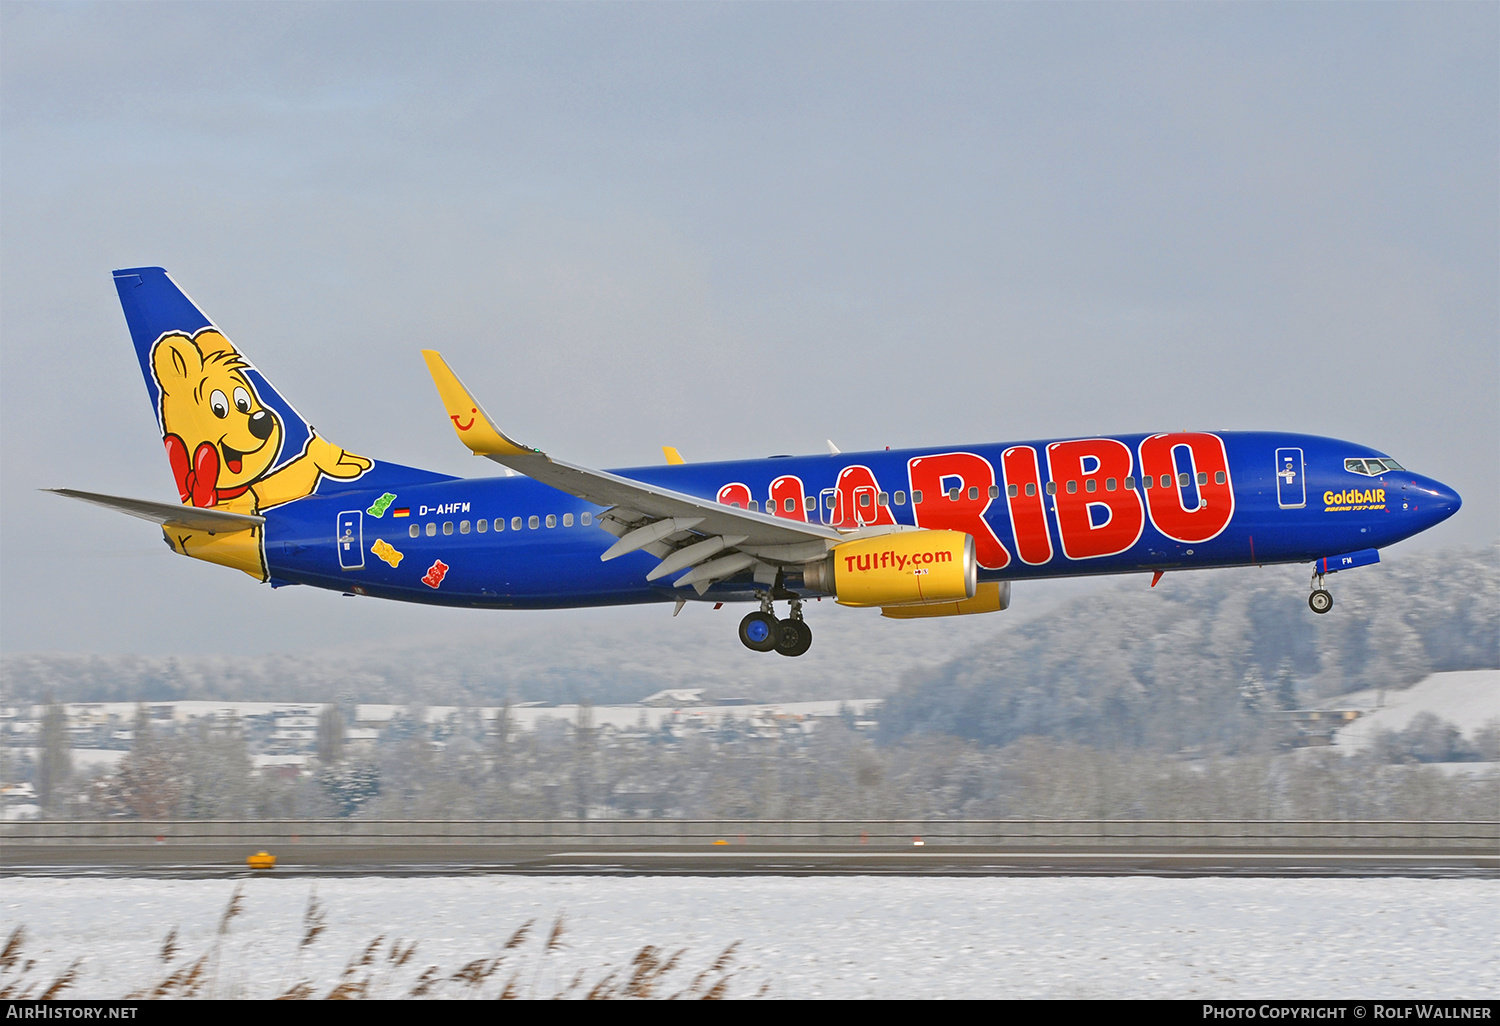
710	540
168	514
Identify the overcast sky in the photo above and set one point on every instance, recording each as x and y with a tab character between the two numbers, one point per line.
737	229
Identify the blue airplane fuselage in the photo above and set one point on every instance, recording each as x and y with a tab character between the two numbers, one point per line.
1284	498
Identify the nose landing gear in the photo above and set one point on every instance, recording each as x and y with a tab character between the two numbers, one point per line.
761	631
1321	599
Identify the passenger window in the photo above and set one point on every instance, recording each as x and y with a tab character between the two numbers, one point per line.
1147	481
551	519
463	527
432	530
901	498
414	530
1219	477
755	505
1166	481
1091	485
1014	490
953	494
883	499
916	496
1051	487
567	520
736	505
482	526
864	499
515	523
586	519
1203	477
1110	485
1030	488
447	527
788	505
533	522
1072	487
1183	479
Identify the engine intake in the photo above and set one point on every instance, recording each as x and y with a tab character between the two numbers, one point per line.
905	568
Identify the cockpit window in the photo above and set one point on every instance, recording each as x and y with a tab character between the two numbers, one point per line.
1371	468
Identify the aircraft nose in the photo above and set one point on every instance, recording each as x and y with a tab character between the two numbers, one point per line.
1437	501
1446	499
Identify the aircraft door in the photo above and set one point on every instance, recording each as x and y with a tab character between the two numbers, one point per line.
1291	486
350	536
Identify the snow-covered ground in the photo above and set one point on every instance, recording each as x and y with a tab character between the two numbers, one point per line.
844	937
1468	699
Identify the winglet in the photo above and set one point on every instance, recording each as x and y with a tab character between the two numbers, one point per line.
472	425
674	458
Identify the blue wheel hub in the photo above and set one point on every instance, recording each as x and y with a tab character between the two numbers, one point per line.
758	631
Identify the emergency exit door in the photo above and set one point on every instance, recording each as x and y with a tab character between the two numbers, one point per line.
350	535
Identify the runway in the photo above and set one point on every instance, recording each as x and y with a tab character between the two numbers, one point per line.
313	860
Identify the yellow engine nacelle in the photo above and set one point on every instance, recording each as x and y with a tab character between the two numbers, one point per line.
905	568
992	597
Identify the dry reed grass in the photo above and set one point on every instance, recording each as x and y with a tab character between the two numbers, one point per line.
386	971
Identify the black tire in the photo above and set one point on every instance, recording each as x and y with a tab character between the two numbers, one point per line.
1320	601
759	631
793	638
804	638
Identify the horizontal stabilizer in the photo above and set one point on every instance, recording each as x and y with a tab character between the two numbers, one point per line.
168	514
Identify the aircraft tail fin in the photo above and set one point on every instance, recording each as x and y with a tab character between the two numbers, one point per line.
160	314
231	439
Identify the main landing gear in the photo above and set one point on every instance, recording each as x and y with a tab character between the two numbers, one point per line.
1321	599
761	631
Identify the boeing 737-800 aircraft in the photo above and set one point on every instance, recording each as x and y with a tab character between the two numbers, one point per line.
922	532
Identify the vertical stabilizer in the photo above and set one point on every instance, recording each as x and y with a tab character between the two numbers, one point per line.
158	312
232	441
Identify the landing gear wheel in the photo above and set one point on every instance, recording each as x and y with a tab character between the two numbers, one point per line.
793	637
759	631
1320	601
